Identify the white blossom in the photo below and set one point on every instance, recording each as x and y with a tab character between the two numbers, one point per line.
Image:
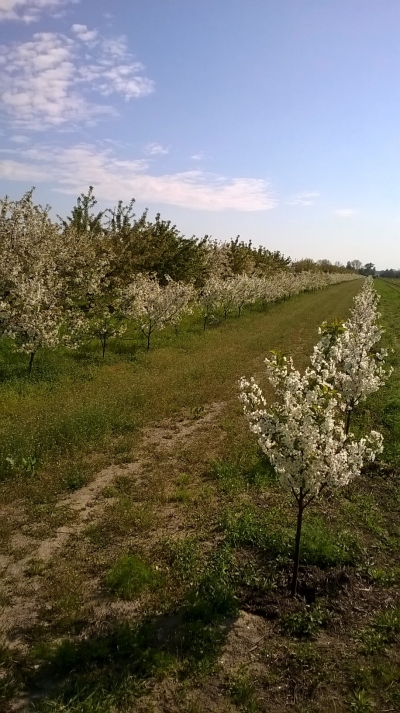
346	355
152	306
303	433
32	294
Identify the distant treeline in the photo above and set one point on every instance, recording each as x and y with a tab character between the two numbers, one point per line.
144	246
389	273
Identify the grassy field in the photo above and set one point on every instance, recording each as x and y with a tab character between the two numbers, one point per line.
146	543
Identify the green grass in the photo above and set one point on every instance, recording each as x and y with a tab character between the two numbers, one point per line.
202	532
129	576
75	399
321	545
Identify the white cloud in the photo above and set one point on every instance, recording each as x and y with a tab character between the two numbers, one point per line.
15	171
346	212
43	81
306	198
197	157
84	34
156	149
73	169
28	10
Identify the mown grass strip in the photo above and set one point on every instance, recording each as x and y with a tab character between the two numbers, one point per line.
78	402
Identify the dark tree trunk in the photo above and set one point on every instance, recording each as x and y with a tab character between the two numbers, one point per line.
31	358
300	502
348	419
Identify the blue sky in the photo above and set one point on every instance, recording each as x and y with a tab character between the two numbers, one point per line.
278	120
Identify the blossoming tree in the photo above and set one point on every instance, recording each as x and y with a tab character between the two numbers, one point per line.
152	306
32	294
304	436
346	354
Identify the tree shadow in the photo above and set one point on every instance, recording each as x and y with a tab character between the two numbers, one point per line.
111	666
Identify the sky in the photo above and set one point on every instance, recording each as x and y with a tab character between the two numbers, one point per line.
275	120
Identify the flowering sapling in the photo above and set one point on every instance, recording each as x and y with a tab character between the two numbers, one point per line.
346	355
105	322
209	297
152	306
303	435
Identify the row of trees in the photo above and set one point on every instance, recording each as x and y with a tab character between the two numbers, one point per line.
394	274
89	275
370	269
306	432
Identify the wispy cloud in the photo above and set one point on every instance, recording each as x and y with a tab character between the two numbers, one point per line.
84	34
28	10
156	149
197	157
306	198
73	169
43	81
19	139
346	212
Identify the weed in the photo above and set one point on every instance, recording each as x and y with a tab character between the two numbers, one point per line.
243	693
385	577
251	574
307	622
183	479
123	485
184	556
196	412
25	464
124	517
129	576
97	534
34	568
74	479
361	702
381	632
180	495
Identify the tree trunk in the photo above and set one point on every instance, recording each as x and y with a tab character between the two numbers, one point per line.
148	340
205	323
103	345
348	417
31	358
300	502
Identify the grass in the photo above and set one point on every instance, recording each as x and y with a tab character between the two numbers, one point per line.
129	576
172	595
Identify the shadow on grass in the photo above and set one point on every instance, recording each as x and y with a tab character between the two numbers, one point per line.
111	668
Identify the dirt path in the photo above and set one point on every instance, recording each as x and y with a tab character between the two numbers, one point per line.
86	505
